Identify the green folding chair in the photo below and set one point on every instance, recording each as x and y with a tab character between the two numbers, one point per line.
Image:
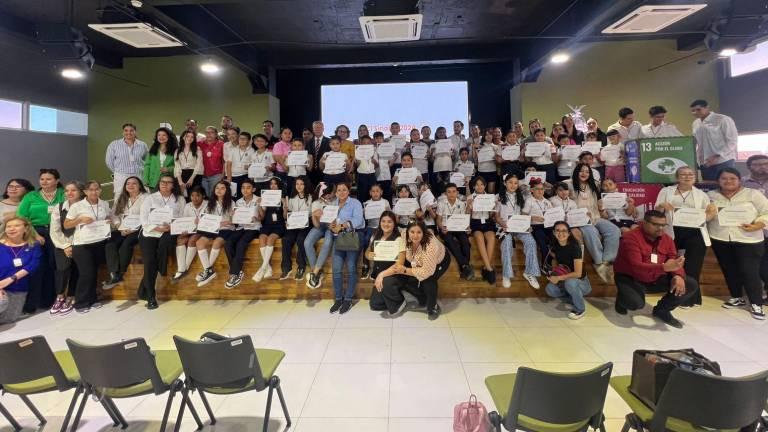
222	365
124	370
28	366
695	402
538	401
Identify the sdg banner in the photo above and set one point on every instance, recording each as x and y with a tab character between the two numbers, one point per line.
655	160
643	194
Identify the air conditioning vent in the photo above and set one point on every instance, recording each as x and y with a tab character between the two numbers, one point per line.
138	35
392	28
650	19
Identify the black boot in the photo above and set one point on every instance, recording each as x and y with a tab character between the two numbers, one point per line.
152	303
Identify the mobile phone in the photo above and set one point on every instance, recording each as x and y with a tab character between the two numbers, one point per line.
680	253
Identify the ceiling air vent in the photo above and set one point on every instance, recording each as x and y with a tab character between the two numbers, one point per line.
392	28
650	19
138	35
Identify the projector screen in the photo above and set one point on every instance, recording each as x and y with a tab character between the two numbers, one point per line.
413	105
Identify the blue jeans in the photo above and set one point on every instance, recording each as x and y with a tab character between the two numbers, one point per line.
314	235
346	259
601	251
529	249
365	238
571	291
208	183
710	172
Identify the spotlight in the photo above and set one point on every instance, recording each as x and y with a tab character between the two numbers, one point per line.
72	73
560	57
210	67
727	52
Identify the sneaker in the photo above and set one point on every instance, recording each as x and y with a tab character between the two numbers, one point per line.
56	308
97	305
434	313
84	310
66	308
317	280
734	303
576	315
757	312
399	311
365	273
346	305
506	282
177	276
259	276
286	276
233	281
685	307
604	272
336	306
200	276
667	318
208	275
268	272
114	279
532	281
492	277
299	274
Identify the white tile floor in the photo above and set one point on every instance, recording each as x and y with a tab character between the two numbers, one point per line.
360	372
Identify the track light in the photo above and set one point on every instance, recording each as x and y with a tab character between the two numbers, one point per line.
72	73
559	58
210	67
727	52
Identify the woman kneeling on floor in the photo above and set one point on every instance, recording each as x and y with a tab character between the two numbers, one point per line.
384	267
567	280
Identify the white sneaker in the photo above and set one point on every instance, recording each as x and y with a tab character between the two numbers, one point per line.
576	315
259	275
200	276
604	272
757	312
532	281
208	276
268	273
506	282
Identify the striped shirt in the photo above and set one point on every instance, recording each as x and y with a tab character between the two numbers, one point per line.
124	159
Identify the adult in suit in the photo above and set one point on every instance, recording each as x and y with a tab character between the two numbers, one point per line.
317	147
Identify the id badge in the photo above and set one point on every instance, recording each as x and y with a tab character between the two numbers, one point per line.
274	217
482	221
654	258
209	154
50	209
17	262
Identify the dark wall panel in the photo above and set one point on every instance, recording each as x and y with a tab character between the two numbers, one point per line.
745	98
24	153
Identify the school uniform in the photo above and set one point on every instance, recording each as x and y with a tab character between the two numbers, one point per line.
366	177
457	242
155	246
186	165
295	171
421	164
509	167
337	175
273	221
487	169
505	210
263	159
119	248
413	187
371	224
543	236
66	270
296	236
87	253
481	221
383	176
236	245
240	159
225	232
544	162
615	170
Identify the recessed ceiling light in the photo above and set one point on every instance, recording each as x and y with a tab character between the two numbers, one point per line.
727	52
72	73
210	67
558	58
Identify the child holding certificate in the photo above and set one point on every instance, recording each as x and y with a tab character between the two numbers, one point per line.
386	231
334	171
322	198
262	163
624	218
414	184
457	242
485	155
299	203
222	206
544	162
186	244
483	229
419	151
512	203
119	248
297	144
613	157
237	244
370	209
465	166
403	191
272	228
366	170
384	166
536	206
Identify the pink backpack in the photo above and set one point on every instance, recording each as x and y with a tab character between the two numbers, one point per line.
470	416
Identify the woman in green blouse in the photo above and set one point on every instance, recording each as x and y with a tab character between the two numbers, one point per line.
159	161
37	207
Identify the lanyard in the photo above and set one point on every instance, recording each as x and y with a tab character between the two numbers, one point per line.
452	208
260	157
95	212
683	197
242	155
165	201
49	201
565	204
186	158
538	204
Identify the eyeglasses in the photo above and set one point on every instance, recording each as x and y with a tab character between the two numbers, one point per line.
15	186
166	182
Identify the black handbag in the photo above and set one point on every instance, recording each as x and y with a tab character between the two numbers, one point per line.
347	241
651	370
63	215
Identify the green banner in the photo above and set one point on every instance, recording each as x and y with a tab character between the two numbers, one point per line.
661	157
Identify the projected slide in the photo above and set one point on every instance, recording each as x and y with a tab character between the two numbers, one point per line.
413	105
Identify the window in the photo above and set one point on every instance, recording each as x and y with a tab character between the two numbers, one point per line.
752	144
756	60
11	114
45	119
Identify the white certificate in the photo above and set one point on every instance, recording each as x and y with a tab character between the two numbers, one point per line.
457	178
578	217
243	215
330	212
484	202
298	219
555	214
386	250
467	169
510	153
407	175
426	199
593	147
406	206
233	188
130	223
398	141
518	223
271	198
335	161
737	215
374	209
486	154
296	158
536	149
443	146
160	216
364	152
689	217
386	150
457	222
530	175
93	232
183	225
209	223
419	152
614	200
610	153
570	152
257	170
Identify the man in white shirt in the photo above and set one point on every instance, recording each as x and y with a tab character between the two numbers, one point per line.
658	128
628	127
716	139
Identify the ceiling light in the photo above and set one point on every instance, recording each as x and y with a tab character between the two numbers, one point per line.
72	73
727	52
558	58
210	67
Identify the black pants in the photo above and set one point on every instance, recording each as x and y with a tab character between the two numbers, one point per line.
691	240
630	293
239	181
119	251
386	188
236	246
764	265
543	237
291	238
66	274
42	285
458	244
364	183
740	263
391	296
551	170
87	259
334	179
154	252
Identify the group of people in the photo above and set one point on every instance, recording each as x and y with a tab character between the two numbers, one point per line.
399	206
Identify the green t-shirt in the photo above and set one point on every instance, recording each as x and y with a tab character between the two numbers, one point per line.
37	209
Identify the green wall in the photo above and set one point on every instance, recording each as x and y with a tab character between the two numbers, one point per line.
606	76
149	91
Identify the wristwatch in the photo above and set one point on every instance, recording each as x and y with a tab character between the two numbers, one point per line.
14	278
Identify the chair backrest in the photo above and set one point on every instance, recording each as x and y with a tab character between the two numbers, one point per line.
711	401
230	362
559	398
117	365
30	359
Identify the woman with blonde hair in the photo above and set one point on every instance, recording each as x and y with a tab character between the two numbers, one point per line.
20	254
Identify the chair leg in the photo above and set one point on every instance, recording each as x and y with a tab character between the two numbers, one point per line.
116	411
108	409
207	407
180	415
495	419
269	408
188	400
34	410
72	403
282	402
171	394
626	427
79	414
16	426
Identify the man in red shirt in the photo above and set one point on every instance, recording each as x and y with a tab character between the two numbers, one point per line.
648	261
213	159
